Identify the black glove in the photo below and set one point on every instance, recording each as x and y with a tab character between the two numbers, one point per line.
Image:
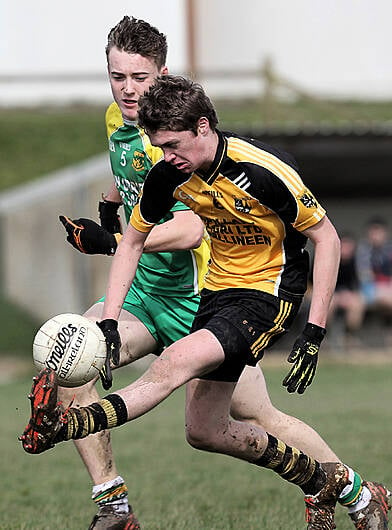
109	328
108	216
88	237
304	355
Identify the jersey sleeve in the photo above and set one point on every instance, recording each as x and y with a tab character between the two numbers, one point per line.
156	200
155	155
113	119
310	211
138	222
281	189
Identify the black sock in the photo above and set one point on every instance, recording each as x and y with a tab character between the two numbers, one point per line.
109	412
293	465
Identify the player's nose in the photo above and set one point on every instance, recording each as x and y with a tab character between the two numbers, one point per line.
169	156
128	86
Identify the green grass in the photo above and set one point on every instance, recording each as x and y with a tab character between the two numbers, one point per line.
37	141
18	329
174	487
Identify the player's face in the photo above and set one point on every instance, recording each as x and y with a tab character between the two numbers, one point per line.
130	76
186	151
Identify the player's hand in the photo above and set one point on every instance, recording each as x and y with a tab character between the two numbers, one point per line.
88	236
109	328
108	216
304	356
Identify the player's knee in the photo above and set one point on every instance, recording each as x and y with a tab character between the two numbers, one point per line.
245	411
206	438
265	416
200	437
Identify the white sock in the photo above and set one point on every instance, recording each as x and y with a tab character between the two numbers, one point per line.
363	498
362	502
120	505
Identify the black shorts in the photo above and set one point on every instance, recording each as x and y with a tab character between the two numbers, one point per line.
246	322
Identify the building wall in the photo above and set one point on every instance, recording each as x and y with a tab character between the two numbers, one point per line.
326	48
331	48
43	39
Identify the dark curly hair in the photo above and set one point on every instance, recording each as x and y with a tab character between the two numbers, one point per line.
175	103
137	36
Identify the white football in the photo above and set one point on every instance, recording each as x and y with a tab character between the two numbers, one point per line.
71	345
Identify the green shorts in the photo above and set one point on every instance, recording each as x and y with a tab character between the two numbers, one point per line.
167	318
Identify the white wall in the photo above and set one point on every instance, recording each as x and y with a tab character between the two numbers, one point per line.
337	48
46	37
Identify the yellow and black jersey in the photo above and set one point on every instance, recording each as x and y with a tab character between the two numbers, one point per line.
254	205
179	273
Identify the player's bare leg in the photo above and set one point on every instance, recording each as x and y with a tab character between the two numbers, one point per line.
192	356
367	502
251	403
210	428
96	450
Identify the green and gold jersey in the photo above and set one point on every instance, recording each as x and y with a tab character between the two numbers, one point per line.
254	205
177	273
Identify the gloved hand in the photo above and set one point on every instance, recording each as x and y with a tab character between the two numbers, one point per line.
109	328
108	216
304	355
88	237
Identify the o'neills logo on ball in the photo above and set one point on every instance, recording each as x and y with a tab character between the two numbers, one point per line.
63	339
73	352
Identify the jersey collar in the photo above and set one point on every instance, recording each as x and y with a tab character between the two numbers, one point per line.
130	123
210	175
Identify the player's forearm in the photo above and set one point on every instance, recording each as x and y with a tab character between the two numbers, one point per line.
325	270
167	238
183	232
121	275
113	194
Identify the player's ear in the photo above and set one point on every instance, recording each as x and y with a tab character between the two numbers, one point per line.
203	126
164	70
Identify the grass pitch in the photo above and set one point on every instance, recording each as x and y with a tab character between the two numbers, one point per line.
174	487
